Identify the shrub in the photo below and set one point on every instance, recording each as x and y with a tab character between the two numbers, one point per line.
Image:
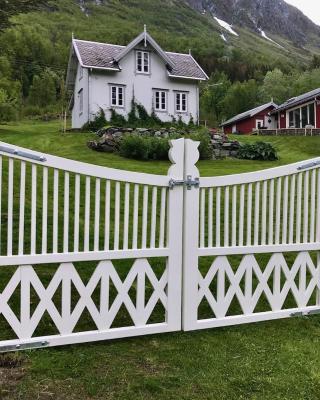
153	148
144	148
258	151
136	147
205	148
132	116
117	119
97	123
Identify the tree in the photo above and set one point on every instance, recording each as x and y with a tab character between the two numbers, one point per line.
8	107
241	97
8	8
213	94
277	86
43	91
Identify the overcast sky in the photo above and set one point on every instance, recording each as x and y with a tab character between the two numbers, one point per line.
311	8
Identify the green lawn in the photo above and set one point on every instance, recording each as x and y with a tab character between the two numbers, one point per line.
271	360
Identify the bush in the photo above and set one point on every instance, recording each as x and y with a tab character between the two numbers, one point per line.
205	148
258	151
98	122
117	119
153	148
144	148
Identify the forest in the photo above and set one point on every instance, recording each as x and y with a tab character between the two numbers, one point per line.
35	46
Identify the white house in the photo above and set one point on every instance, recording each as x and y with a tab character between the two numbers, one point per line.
109	76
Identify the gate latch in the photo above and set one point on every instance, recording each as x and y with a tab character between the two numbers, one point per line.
189	183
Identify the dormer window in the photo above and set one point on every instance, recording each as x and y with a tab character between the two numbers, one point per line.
143	62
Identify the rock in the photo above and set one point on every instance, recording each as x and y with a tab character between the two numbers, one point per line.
142	130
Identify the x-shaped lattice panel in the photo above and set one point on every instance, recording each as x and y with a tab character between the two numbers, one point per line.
301	279
67	318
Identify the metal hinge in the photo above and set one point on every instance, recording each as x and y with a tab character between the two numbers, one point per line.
310	165
23	154
23	346
305	313
189	183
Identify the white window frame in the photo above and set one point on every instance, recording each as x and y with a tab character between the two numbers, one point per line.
163	94
80	96
143	64
118	90
261	122
300	110
180	110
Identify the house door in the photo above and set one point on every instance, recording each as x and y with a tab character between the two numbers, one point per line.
259	123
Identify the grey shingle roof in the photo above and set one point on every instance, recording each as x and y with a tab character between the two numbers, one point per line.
101	55
295	101
249	114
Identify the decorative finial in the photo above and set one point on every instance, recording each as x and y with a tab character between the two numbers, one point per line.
72	35
145	35
190	52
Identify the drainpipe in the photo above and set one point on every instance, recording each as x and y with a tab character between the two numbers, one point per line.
89	75
198	106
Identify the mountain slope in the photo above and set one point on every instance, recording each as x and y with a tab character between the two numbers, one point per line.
273	16
42	39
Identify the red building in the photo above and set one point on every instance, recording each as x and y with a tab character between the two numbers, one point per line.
257	118
299	112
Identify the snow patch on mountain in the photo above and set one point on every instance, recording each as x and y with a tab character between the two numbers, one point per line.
226	26
264	35
223	37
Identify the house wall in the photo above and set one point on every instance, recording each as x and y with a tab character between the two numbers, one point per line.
138	85
282	120
317	115
80	118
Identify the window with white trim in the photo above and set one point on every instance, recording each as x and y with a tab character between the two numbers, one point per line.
117	96
160	100
181	102
80	96
143	62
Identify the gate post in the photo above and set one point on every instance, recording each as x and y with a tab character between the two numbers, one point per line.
190	238
175	235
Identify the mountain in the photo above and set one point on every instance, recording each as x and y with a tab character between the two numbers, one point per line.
242	38
276	17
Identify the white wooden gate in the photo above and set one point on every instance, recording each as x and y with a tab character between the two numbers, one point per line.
252	246
81	242
91	253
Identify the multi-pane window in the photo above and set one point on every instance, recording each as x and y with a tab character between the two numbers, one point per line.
302	116
160	100
117	96
143	62
181	102
80	95
311	115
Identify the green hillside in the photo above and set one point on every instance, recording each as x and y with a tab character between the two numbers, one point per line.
35	51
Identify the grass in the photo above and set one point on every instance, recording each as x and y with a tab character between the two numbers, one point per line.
270	360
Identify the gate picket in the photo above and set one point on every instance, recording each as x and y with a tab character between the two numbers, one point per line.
71	195
206	252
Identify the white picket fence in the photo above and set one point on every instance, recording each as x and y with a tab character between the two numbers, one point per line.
82	246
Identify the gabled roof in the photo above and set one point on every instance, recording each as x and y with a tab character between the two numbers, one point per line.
249	114
295	101
104	56
147	39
